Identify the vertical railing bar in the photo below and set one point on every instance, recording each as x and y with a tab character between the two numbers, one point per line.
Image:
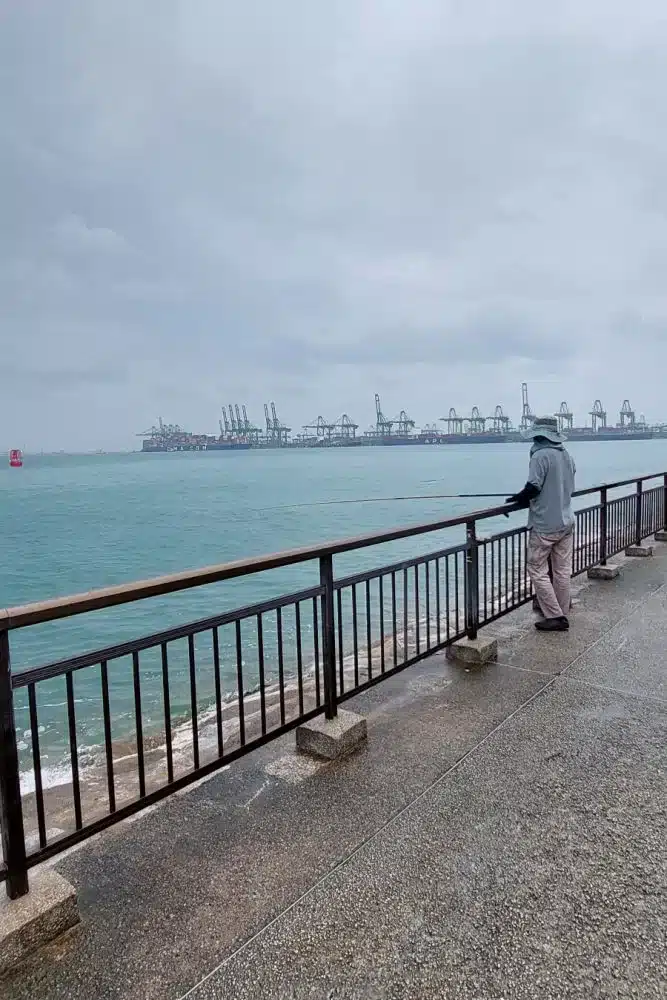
37	765
218	690
405	615
239	682
417	611
138	724
73	750
341	654
472	581
369	648
193	701
381	600
108	743
260	668
167	713
638	513
316	652
437	601
299	654
328	637
456	592
281	664
493	578
11	811
592	538
447	611
486	610
427	585
394	625
355	638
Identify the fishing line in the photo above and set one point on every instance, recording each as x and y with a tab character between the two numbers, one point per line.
428	496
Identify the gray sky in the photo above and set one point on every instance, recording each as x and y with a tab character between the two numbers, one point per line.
210	201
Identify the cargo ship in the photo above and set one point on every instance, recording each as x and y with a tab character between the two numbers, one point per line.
609	434
214	444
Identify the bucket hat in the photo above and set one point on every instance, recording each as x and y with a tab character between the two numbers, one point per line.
546	427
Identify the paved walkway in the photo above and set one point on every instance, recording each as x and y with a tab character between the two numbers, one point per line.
503	835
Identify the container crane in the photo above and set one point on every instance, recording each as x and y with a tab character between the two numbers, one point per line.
527	415
476	422
346	427
627	415
280	431
500	421
565	418
598	416
323	430
249	429
382	425
404	424
232	420
453	421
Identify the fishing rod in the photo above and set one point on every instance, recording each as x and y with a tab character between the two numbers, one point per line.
428	496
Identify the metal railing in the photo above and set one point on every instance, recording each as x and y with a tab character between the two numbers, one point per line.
345	635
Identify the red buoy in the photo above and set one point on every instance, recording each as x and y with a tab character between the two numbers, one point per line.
15	458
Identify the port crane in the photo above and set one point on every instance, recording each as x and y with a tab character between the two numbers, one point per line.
382	425
565	418
527	415
501	423
453	421
598	416
276	432
346	427
476	422
627	415
323	429
404	424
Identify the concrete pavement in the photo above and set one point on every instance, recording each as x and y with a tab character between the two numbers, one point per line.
503	834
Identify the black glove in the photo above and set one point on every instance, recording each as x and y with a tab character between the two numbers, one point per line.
528	493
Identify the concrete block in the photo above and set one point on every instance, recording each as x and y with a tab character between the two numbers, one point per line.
332	738
639	551
608	572
474	652
48	910
660	536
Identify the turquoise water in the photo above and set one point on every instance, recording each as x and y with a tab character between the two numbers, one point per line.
75	523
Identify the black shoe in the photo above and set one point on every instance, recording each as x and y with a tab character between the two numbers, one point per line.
553	624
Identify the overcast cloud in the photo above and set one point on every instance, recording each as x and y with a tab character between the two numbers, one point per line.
211	201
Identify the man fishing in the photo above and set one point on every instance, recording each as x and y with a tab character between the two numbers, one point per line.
548	494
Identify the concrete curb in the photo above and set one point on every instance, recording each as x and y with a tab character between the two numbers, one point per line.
48	910
332	738
474	652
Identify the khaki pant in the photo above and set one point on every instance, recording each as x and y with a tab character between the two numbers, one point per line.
553	597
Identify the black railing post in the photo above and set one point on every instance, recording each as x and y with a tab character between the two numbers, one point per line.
603	525
472	581
638	513
328	637
664	502
11	812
